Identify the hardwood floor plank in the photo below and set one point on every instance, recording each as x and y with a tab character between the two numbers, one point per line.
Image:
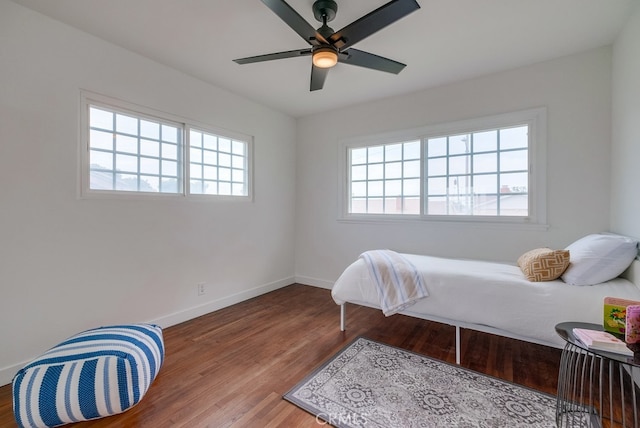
231	367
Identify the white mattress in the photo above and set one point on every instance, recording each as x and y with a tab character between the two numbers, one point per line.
493	295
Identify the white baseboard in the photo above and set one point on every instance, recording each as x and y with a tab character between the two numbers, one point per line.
214	305
7	373
314	282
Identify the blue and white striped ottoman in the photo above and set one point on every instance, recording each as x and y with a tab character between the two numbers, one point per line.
95	373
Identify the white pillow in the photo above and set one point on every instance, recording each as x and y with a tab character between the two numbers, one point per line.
599	258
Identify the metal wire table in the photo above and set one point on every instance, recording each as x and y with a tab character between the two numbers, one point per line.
596	388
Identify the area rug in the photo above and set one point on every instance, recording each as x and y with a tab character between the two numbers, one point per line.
370	384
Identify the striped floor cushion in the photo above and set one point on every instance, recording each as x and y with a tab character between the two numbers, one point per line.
96	373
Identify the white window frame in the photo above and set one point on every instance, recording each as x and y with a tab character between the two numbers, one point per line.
535	118
219	135
88	99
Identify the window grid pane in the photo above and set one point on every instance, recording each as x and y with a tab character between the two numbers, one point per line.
481	173
218	165
126	152
385	179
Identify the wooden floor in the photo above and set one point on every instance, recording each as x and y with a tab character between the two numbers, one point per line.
230	368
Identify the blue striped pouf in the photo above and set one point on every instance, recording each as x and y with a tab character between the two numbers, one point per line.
93	374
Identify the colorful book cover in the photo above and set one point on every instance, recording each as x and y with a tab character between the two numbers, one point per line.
632	334
615	311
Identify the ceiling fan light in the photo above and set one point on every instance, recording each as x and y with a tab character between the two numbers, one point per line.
325	58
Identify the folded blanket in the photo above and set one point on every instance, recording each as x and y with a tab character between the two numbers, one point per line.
398	282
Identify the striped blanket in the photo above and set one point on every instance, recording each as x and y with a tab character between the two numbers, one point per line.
398	282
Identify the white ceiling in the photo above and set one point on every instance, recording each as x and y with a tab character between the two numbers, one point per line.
444	41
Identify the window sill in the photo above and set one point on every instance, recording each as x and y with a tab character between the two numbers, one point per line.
484	223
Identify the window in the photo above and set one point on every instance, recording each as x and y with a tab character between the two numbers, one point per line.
133	154
385	179
129	149
477	170
484	173
217	165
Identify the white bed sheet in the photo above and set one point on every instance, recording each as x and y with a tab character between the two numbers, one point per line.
493	295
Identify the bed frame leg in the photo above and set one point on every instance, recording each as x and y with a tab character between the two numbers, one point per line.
343	316
458	344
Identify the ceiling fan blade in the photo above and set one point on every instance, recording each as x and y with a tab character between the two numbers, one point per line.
272	56
369	60
295	21
318	76
372	22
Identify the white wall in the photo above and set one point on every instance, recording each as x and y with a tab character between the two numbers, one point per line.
576	91
625	183
68	264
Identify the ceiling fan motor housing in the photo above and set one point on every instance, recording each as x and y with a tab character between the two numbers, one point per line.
325	10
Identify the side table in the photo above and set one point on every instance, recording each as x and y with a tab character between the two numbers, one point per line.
595	388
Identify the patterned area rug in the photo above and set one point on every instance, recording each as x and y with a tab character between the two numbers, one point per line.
369	384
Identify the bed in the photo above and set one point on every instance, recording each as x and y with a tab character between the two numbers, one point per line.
499	298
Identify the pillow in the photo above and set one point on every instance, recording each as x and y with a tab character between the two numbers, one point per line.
96	373
599	258
543	264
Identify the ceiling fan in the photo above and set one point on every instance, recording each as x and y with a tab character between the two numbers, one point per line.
329	47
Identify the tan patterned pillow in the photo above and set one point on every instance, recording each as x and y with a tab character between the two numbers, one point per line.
543	264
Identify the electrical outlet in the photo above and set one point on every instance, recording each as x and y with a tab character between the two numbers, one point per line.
201	288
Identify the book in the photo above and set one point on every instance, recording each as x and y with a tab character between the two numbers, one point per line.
602	341
615	312
632	332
